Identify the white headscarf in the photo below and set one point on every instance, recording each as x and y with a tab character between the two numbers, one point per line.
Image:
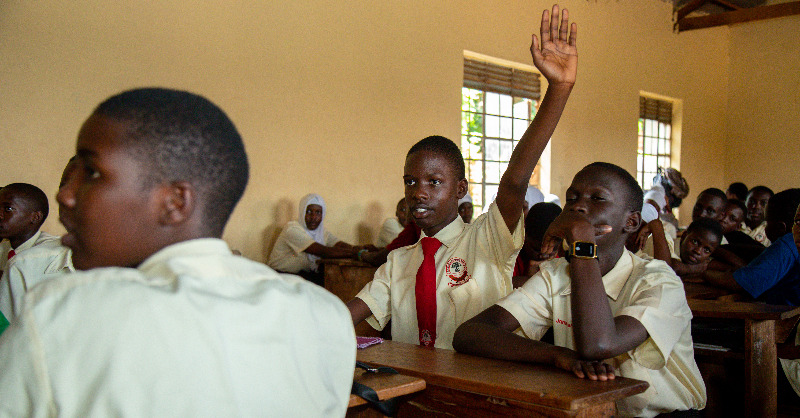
319	233
466	198
533	196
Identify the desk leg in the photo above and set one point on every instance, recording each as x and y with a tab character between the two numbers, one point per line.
761	367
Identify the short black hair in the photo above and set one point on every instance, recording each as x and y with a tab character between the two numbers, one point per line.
705	224
444	147
635	194
35	198
713	191
761	189
181	136
539	218
739	190
783	205
739	204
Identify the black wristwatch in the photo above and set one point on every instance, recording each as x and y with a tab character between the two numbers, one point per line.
581	250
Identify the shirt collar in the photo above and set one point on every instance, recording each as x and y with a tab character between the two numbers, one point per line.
615	279
29	243
448	234
202	247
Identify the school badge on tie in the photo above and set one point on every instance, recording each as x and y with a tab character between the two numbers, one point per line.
425	338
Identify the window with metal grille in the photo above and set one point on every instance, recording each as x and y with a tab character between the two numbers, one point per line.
497	105
655	139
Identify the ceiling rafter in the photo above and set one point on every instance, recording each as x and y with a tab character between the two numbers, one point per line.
736	14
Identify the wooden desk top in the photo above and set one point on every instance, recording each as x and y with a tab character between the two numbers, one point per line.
387	386
535	384
345	262
741	310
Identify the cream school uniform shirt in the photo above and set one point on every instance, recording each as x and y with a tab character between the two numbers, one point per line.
390	229
648	291
45	260
473	270
194	331
757	233
648	251
287	254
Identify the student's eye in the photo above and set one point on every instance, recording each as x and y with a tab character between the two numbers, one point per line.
90	172
695	242
409	182
707	250
435	182
598	198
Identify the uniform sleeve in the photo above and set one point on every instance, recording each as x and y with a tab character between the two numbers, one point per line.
659	304
504	243
297	239
330	239
377	295
531	306
23	380
766	270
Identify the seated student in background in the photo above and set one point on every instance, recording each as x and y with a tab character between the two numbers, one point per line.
458	269
532	197
611	311
738	243
166	321
304	242
773	276
700	240
710	204
736	191
45	260
393	226
755	223
539	217
465	208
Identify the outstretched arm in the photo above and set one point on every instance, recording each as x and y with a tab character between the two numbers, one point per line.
557	59
490	334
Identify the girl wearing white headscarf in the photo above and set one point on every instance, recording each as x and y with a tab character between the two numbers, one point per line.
303	242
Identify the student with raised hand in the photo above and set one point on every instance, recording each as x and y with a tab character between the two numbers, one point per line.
611	311
457	269
165	320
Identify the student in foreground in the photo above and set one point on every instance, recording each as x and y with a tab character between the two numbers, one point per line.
166	321
611	311
456	270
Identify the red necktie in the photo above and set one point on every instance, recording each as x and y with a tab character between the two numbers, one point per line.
11	253
425	290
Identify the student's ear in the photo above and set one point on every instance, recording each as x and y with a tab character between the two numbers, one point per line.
37	217
632	222
178	201
463	185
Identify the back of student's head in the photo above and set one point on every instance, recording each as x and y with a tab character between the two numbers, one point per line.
180	136
738	190
780	213
539	217
34	198
635	195
444	147
705	224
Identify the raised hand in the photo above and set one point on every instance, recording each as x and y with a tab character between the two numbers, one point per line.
557	56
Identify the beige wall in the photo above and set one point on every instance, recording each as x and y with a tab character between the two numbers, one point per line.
330	95
763	121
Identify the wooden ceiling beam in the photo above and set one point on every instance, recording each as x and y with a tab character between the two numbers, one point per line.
739	16
727	4
688	8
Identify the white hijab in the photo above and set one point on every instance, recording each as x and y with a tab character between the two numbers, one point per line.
533	196
319	233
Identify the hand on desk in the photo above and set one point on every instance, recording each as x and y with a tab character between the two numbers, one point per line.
593	370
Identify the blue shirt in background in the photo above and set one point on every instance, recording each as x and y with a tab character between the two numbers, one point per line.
773	276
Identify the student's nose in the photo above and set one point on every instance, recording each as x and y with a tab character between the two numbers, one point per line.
66	195
418	193
579	205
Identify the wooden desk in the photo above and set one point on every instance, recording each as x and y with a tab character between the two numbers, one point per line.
345	278
463	385
760	354
386	386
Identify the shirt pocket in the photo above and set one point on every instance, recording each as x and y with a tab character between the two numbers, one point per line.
466	301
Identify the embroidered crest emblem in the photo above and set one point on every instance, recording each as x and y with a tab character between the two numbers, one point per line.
456	271
425	338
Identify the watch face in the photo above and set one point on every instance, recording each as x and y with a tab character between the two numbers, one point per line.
584	249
